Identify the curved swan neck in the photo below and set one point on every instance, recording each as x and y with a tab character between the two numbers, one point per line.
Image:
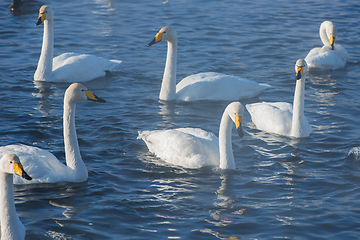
168	86
72	151
44	68
323	36
225	144
11	227
298	120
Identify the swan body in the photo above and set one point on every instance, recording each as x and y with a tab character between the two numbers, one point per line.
283	118
42	165
202	86
11	227
330	56
68	67
19	7
194	147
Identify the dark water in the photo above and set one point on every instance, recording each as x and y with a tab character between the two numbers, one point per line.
282	188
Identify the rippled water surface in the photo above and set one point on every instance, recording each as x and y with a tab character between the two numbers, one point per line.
282	188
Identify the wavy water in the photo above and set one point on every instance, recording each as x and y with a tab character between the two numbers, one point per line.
282	188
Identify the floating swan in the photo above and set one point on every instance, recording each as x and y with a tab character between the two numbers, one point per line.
281	117
19	7
202	86
194	147
42	165
330	56
68	67
11	226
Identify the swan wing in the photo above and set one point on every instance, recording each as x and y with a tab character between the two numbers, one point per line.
187	147
272	117
40	164
217	86
73	67
324	58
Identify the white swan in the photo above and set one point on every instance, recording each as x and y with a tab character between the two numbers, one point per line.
68	67
194	147
19	7
11	227
330	56
202	86
42	165
281	117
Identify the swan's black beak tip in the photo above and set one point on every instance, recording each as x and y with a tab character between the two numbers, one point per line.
152	42
38	22
26	176
240	131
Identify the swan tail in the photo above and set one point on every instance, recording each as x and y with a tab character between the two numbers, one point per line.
265	86
116	61
142	134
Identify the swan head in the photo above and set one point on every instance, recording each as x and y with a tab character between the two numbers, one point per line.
331	32
10	163
77	92
300	68
236	113
166	33
45	13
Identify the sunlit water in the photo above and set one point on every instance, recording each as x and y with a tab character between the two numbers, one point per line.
282	188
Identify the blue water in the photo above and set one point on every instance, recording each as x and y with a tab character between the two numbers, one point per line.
282	188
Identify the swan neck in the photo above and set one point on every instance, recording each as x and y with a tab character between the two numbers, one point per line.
10	222
298	120
45	64
73	158
225	144
168	86
323	36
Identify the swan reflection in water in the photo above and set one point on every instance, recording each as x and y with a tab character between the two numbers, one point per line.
45	92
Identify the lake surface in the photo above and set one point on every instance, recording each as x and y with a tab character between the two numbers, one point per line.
283	188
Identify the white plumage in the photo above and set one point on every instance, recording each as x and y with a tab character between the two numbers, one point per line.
201	86
11	227
67	67
281	117
331	55
42	165
194	147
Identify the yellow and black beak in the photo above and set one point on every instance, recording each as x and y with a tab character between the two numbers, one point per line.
158	37
19	170
299	72
331	42
41	18
92	97
238	124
